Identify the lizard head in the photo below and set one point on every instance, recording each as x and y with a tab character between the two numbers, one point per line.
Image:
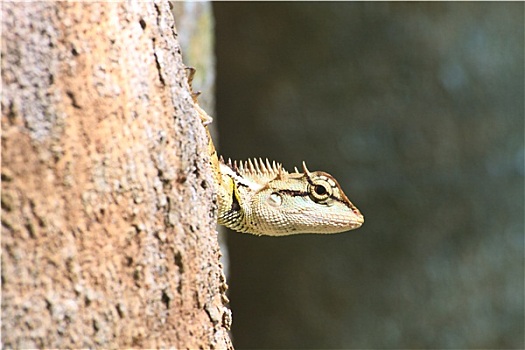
279	203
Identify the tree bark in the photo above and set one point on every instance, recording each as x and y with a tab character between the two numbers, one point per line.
108	220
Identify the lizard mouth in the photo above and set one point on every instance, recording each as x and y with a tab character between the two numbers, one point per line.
339	224
360	220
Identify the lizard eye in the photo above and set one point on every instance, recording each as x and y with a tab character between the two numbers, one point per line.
320	190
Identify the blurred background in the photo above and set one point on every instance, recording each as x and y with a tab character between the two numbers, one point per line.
418	110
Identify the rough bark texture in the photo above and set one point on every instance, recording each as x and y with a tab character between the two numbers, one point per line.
108	225
195	25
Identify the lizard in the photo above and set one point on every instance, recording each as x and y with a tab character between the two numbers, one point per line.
262	198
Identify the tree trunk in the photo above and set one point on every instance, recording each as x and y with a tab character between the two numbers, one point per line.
108	223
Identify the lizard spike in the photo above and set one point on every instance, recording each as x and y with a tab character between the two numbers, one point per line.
281	172
305	169
268	165
268	169
260	166
250	165
241	166
296	170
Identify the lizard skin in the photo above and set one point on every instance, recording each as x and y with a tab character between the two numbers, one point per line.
262	198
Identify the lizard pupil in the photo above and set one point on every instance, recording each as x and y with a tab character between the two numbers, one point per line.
320	190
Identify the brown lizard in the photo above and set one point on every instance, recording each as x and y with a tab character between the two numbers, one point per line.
262	198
